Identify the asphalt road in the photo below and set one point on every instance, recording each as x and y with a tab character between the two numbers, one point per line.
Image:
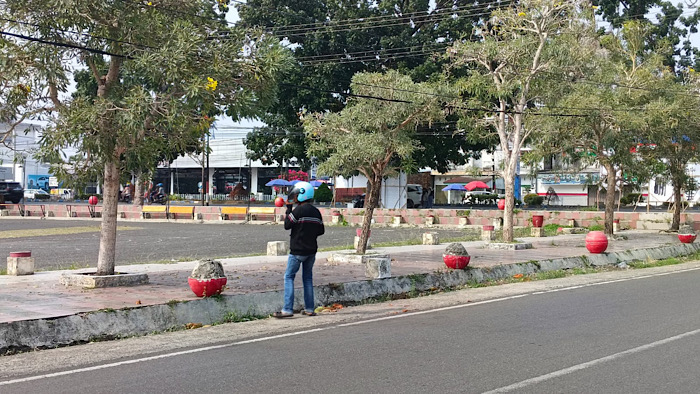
621	336
157	241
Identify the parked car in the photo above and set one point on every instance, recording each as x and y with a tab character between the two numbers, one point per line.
34	193
414	194
11	191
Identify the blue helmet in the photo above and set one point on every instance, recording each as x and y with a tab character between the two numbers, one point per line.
159	185
302	191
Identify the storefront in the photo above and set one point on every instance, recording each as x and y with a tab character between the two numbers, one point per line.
566	189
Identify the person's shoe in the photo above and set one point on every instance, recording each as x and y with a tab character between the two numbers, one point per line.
305	313
282	315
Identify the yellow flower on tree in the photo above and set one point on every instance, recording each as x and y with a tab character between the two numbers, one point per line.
521	13
211	84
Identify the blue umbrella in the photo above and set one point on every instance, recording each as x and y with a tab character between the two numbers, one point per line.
453	186
278	182
318	183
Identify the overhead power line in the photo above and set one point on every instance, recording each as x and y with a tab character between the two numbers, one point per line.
64	45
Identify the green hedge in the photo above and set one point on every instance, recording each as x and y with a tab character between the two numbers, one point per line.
323	193
533	199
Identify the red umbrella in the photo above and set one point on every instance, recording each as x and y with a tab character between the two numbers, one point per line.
476	185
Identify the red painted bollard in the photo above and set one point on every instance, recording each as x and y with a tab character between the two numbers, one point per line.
596	242
92	200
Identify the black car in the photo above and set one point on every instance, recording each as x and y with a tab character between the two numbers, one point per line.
11	191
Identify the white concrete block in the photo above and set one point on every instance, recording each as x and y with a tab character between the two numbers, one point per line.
20	266
378	268
537	231
277	248
431	238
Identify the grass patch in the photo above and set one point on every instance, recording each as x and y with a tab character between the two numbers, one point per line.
659	263
45	232
3	271
596	227
551	229
233	317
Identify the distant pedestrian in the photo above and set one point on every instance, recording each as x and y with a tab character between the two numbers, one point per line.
306	224
424	199
431	197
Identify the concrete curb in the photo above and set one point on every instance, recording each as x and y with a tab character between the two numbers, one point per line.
109	324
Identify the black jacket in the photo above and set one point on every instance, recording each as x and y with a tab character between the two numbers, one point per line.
306	224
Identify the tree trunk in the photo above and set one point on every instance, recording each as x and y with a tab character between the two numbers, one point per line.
108	234
509	181
610	199
371	202
138	190
677	180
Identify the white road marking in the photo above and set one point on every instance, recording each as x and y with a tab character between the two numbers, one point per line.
589	364
404	315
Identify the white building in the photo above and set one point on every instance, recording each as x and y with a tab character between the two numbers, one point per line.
17	162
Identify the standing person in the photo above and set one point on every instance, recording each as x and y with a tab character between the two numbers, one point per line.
424	199
306	224
431	197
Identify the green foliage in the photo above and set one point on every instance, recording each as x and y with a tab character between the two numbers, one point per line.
533	199
596	227
631	198
134	105
371	48
323	193
376	145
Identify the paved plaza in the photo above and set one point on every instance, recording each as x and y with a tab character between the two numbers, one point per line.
41	296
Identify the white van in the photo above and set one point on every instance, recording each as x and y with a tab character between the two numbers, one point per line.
414	193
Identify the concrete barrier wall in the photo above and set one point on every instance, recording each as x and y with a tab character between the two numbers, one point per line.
417	217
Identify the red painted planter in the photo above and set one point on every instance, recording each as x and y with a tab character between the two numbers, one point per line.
687	238
207	288
502	204
487	228
21	254
92	200
596	242
537	220
335	213
456	262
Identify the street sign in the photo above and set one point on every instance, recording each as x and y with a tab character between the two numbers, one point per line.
6	173
53	181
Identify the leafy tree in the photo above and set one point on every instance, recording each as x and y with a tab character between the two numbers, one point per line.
373	145
672	130
160	68
669	25
521	51
604	103
334	40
